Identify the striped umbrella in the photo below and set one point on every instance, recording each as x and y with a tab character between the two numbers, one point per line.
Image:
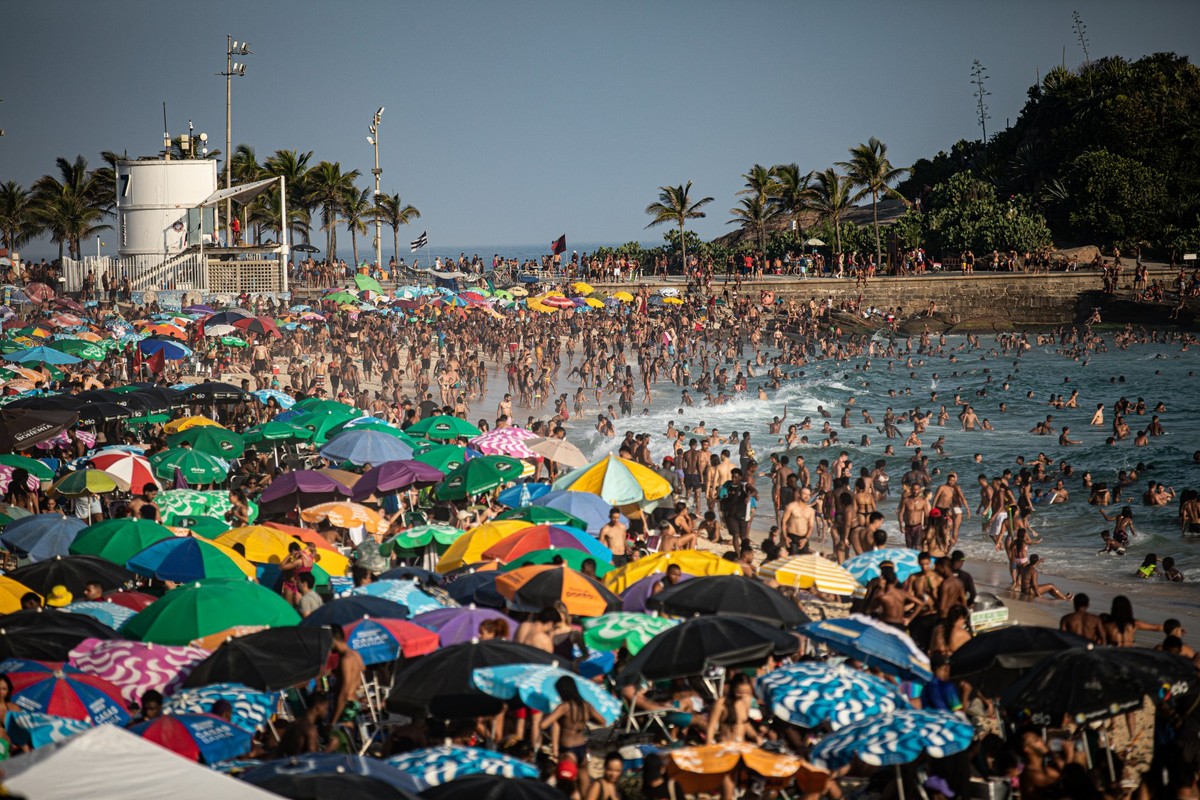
418	599
811	693
111	614
506	442
618	481
810	572
136	667
865	566
536	686
34	729
894	739
874	643
64	691
252	709
380	641
434	766
131	468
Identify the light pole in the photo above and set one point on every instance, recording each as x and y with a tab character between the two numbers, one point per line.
232	48
374	141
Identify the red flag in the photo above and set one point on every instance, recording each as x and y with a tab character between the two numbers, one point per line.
137	361
156	362
560	244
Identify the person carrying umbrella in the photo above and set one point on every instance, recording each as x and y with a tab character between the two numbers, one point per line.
569	739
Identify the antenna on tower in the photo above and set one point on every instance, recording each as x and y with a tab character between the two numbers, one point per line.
166	133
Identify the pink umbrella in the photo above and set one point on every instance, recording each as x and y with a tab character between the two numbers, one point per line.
39	292
506	442
66	320
137	667
6	473
129	467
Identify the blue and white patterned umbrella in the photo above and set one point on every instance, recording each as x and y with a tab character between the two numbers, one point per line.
111	614
535	685
811	693
283	399
864	567
894	739
35	729
406	593
252	709
434	766
873	643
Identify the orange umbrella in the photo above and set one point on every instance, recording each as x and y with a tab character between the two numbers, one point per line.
165	329
538	586
215	640
328	556
704	768
342	514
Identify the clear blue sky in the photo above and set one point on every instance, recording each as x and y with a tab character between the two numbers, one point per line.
513	122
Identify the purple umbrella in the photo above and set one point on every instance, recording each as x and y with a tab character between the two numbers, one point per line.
634	598
392	476
300	489
458	625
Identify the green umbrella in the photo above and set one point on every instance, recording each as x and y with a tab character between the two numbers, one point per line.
87	483
179	504
234	341
322	423
219	504
623	629
377	425
543	515
342	297
367	283
310	404
117	540
203	608
206	527
196	466
479	475
31	465
276	432
9	513
422	535
79	348
444	427
9	346
445	457
210	439
569	556
148	419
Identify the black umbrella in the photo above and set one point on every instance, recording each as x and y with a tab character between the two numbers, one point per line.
144	403
305	247
73	572
478	588
271	660
213	392
333	786
352	608
550	586
102	396
728	594
492	787
227	317
993	660
93	414
64	402
22	428
440	685
172	397
696	644
1095	683
334	776
48	635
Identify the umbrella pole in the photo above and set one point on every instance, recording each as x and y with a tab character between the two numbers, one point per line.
1112	770
899	783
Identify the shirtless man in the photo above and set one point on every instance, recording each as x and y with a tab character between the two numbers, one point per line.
612	536
1081	623
950	499
350	668
951	592
693	472
774	426
861	538
913	513
894	604
798	522
535	631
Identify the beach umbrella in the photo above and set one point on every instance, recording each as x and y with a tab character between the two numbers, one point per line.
294	490
523	494
196	467
314	404
492	787
282	399
393	476
468	549
226	316
696	563
703	769
635	597
261	543
446	457
316	776
73	572
477	588
544	537
575	559
458	625
1083	685
331	559
865	567
8	513
810	572
696	644
873	643
42	536
271	660
171	350
92	415
728	594
34	467
110	614
479	475
184	423
542	515
219	442
131	468
440	685
324	424
342	514
433	766
813	693
46	634
422	535
581	505
87	483
365	447
622	629
34	729
341	297
536	587
367	283
252	710
64	691
444	427
378	425
212	393
198	737
505	442
11	593
22	428
994	660
182	559
166	329
344	610
618	481
276	432
536	686
559	451
199	609
136	667
419	574
262	326
42	355
380	641
182	504
409	593
900	737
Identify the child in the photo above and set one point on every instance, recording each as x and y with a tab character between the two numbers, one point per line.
1110	545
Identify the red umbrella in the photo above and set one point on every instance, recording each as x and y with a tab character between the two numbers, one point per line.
132	600
66	302
264	326
39	292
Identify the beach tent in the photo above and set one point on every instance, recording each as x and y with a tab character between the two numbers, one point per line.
112	762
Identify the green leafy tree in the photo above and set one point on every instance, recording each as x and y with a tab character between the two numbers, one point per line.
292	166
791	188
326	186
394	212
829	197
1116	200
356	210
870	170
675	205
71	205
19	222
964	213
754	212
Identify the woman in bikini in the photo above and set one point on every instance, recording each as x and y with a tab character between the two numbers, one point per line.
572	716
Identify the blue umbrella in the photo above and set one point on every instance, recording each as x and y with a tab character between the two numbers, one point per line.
42	536
584	505
111	614
171	350
209	738
42	355
283	399
406	593
35	729
864	567
366	447
478	588
811	693
873	643
352	608
252	709
895	739
535	685
314	764
433	766
523	494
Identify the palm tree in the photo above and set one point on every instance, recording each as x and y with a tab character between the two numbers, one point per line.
246	169
391	211
870	170
675	205
293	168
790	189
356	210
755	212
70	204
326	186
760	182
18	216
829	197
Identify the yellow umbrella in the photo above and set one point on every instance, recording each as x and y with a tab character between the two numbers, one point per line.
11	593
594	303
88	336
177	425
519	291
469	547
583	288
808	572
624	297
702	769
542	307
25	372
618	481
263	545
673	301
696	563
345	515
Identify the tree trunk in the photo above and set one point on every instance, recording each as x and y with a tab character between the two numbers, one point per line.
875	217
354	245
837	235
683	248
395	245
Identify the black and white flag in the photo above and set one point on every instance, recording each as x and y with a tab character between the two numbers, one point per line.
419	242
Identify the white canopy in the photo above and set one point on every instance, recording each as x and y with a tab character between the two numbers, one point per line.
243	192
111	762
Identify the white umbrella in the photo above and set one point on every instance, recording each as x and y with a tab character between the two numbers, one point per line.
560	451
219	330
814	242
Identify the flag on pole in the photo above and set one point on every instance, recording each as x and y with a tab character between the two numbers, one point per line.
419	242
156	362
560	244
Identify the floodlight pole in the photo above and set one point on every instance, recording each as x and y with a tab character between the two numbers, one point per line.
228	137
377	172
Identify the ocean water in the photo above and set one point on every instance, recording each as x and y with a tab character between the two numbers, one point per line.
1071	531
521	252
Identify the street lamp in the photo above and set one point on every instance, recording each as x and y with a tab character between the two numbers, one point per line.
374	141
232	48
